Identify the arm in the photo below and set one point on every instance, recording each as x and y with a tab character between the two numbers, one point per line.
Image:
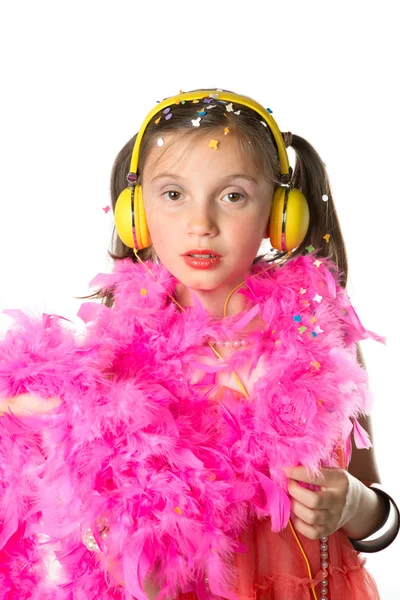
371	512
25	404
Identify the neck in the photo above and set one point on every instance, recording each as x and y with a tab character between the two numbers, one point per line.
212	300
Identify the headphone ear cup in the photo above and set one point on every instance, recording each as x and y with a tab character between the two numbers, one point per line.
141	228
123	217
133	232
289	219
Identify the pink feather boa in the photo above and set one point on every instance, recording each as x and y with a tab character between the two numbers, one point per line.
175	476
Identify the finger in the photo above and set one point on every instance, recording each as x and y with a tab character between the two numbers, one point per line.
308	515
305	475
314	500
309	531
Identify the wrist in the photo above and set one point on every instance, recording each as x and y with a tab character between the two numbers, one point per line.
369	514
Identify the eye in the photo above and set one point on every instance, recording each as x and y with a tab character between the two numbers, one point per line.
172	195
234	197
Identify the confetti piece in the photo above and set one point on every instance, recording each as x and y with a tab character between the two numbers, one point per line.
160	142
315	364
263	123
214	95
178	510
302	291
269	110
236	112
157	120
319	402
317	298
318	330
317	263
312	320
183	101
226	130
297	318
196	122
106	209
302	329
325	198
143	292
229	107
207	100
314	334
213	144
273	331
168	116
201	113
211	477
166	110
310	248
195	101
326	237
211	106
277	342
305	302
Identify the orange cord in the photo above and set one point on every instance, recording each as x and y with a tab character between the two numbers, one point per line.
243	390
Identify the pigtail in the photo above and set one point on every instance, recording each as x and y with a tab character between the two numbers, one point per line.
310	176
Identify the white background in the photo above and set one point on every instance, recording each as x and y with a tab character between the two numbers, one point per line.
78	78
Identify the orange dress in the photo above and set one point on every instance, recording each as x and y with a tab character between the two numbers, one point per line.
274	568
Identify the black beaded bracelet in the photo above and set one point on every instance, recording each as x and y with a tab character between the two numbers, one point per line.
390	535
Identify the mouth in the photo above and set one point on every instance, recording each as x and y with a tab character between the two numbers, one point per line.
202	259
206	253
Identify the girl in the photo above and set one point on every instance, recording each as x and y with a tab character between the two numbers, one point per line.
197	441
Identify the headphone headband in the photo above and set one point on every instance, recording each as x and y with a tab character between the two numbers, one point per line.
217	95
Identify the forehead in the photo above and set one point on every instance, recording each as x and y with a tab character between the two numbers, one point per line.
188	152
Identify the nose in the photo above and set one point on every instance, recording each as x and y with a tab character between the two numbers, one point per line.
202	219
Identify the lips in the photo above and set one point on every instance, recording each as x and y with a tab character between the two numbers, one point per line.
202	253
203	258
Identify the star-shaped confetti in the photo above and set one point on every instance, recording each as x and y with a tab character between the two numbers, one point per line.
326	237
317	263
310	248
143	292
269	110
213	144
226	130
317	298
302	291
106	209
157	120
196	122
160	142
297	318
195	101
229	107
305	302
312	320
318	329
302	329
201	113
236	112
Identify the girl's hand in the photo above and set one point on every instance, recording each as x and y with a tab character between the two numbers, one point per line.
26	404
322	512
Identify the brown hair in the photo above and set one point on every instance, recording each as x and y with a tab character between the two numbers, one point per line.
257	141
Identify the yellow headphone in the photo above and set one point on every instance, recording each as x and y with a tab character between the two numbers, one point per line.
289	218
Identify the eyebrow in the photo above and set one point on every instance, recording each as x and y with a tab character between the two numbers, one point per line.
226	178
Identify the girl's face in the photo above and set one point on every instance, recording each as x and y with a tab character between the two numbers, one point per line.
200	198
